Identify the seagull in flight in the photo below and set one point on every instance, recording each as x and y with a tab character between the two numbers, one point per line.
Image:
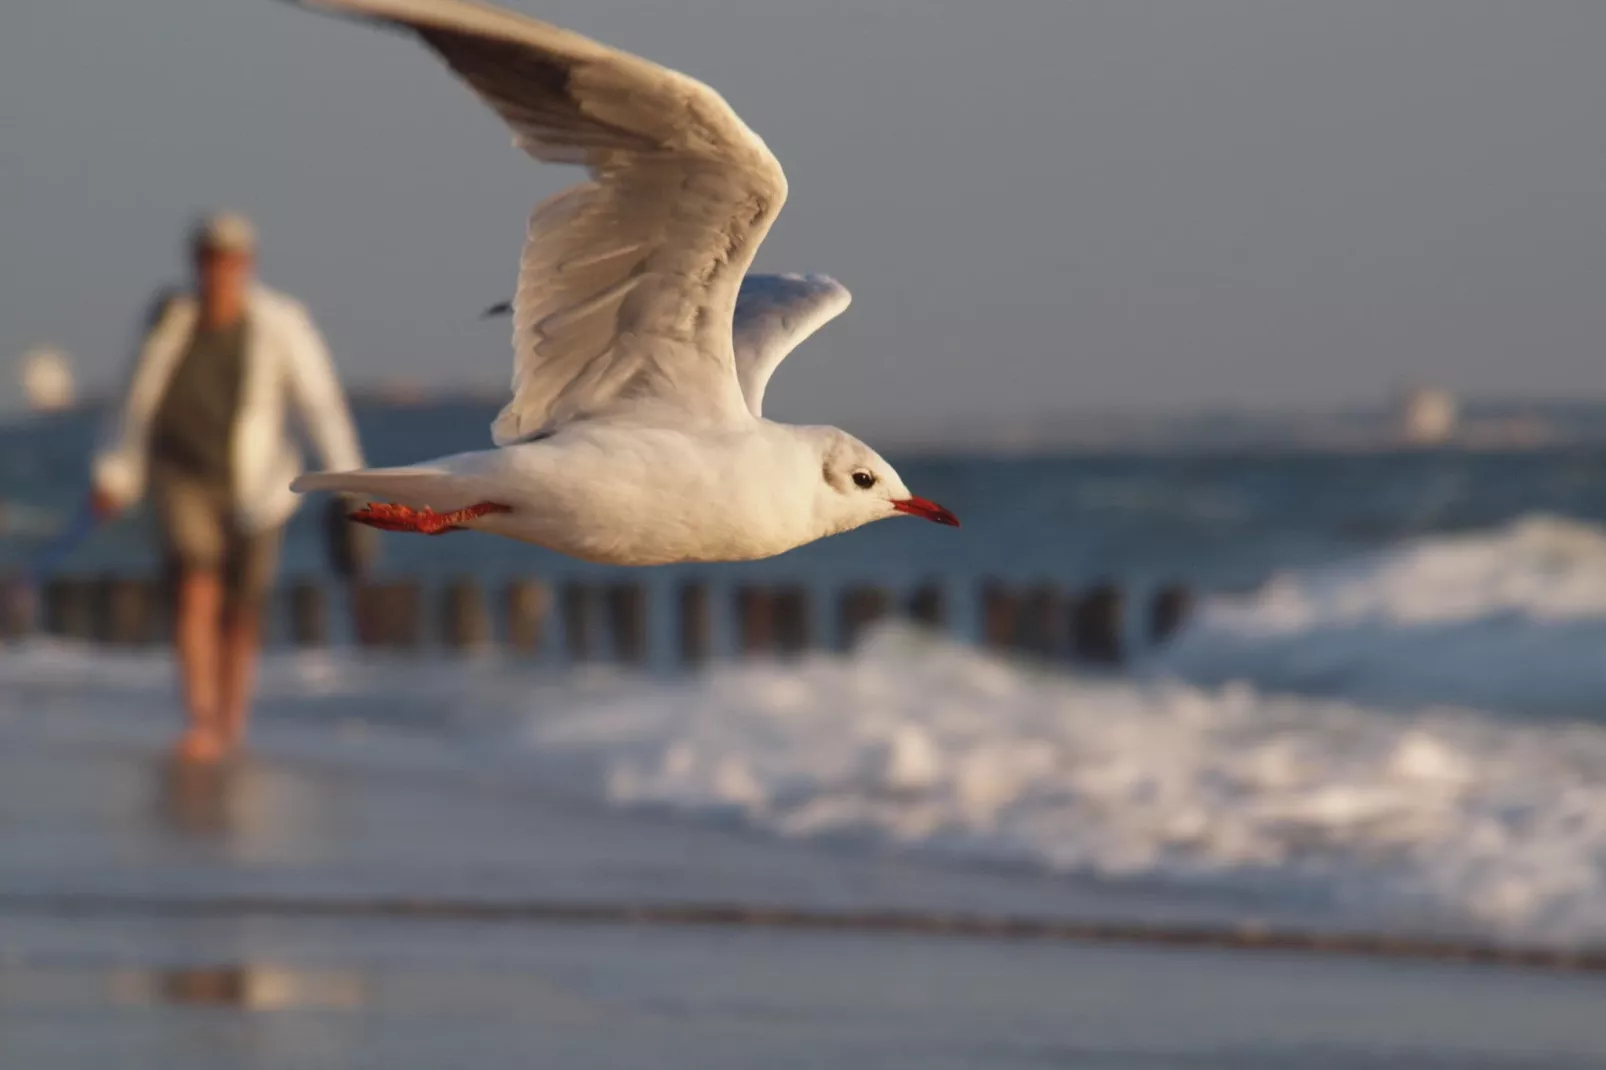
636	433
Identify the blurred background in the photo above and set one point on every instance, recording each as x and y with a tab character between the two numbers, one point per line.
1256	343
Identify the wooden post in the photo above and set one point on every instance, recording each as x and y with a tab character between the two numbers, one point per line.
406	615
124	611
67	609
627	621
694	623
16	610
927	606
1000	616
465	617
579	613
103	596
1097	626
526	615
389	614
1169	611
1043	625
791	619
309	621
755	620
859	609
366	619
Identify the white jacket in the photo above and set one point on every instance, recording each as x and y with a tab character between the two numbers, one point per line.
285	359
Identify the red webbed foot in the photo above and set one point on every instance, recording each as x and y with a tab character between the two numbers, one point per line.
388	517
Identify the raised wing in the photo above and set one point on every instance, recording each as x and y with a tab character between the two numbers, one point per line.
774	313
628	282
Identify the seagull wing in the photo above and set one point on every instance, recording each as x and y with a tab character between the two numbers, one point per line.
774	313
628	281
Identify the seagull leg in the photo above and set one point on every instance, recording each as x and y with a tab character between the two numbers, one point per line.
388	517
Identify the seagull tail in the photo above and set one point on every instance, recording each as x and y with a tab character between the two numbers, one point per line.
419	487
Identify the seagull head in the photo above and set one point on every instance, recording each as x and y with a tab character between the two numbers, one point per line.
858	486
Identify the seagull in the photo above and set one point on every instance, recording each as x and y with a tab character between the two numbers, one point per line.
642	347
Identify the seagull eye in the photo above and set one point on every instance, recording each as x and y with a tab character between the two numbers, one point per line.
863	480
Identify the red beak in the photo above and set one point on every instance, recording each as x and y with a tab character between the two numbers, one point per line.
926	510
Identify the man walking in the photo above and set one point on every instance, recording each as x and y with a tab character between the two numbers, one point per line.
204	429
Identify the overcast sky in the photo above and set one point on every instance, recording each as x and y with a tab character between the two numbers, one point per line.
1040	205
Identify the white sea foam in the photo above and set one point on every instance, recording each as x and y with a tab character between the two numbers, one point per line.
1439	820
1512	619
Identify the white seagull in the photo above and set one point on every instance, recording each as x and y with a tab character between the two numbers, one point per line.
636	433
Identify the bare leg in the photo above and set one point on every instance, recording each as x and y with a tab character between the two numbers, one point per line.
195	635
242	642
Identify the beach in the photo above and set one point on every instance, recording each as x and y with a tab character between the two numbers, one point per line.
154	967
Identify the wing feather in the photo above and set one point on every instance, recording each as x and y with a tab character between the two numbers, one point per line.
774	314
628	281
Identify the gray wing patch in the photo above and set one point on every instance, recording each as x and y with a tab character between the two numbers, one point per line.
774	313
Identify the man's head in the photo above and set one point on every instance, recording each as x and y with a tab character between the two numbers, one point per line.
223	249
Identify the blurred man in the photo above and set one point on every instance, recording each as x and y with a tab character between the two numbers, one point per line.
204	428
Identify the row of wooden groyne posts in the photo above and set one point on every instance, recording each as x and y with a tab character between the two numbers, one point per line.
612	620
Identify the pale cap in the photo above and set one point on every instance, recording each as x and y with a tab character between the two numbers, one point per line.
224	232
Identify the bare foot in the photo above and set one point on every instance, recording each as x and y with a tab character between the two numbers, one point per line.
200	745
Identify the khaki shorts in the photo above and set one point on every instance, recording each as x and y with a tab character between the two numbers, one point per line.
199	534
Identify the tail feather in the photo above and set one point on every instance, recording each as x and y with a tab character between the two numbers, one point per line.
421	488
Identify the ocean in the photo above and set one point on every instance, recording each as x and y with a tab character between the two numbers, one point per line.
1386	714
